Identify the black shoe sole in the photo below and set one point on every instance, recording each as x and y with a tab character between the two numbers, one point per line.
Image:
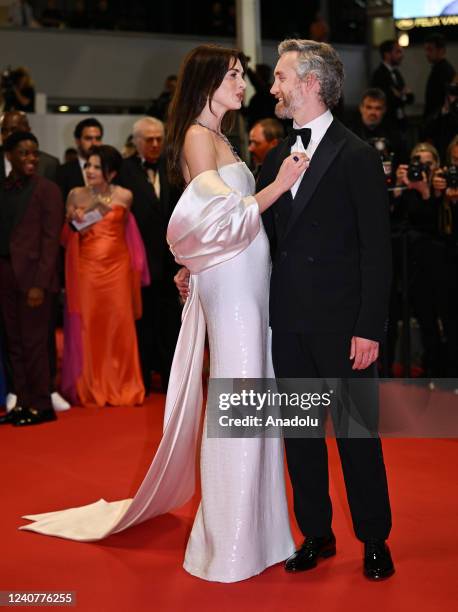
323	555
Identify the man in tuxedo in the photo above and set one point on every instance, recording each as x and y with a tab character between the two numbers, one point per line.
31	218
48	167
153	202
388	78
87	133
16	121
329	294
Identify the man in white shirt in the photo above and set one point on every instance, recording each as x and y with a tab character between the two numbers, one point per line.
329	295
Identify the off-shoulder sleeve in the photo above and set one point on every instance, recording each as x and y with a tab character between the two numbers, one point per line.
211	223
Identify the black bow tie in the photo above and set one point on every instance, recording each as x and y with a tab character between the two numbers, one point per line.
14	183
150	166
304	133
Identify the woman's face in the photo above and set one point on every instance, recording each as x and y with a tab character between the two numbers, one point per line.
427	159
93	171
229	95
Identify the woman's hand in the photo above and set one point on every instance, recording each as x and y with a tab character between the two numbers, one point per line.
181	280
291	169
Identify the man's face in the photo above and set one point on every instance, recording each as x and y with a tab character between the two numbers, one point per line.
90	137
14	122
258	146
24	158
287	87
149	143
433	54
372	112
396	55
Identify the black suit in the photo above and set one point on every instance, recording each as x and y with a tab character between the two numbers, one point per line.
387	80
159	326
331	271
69	176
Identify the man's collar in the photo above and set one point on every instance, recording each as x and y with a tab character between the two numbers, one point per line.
322	120
15	182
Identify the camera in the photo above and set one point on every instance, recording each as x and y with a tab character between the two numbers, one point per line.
416	169
382	146
451	176
7	80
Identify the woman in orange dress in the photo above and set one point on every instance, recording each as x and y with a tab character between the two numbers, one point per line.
104	267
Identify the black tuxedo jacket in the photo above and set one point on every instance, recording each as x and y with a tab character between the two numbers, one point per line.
48	166
383	79
152	215
331	256
69	176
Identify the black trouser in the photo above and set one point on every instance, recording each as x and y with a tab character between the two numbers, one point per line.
327	355
157	330
27	341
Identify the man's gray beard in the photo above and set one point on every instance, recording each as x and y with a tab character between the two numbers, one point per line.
283	112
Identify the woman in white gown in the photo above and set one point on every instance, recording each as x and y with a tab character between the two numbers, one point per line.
215	231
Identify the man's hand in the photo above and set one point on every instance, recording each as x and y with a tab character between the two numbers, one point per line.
364	352
181	279
35	297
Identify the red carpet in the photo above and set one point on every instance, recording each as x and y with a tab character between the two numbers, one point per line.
93	453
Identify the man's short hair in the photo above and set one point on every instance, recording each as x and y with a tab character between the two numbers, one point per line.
272	129
438	40
16	137
374	93
387	46
86	123
320	59
146	121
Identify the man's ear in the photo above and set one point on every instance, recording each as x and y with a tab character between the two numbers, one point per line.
311	82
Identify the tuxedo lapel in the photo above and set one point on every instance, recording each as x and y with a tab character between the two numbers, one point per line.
323	157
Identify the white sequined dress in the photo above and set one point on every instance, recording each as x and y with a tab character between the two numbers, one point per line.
242	524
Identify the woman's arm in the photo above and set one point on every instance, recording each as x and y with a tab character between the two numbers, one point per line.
199	155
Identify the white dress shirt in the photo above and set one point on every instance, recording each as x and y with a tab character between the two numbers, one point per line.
7	165
319	127
82	163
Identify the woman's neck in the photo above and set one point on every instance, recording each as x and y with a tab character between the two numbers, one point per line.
101	189
210	120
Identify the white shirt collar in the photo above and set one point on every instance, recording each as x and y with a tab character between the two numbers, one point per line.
7	165
389	66
319	127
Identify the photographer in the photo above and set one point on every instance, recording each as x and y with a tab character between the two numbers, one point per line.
444	125
445	184
415	215
18	90
371	125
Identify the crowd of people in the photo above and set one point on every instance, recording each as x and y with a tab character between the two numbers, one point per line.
110	213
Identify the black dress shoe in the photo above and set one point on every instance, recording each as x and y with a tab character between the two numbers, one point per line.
11	416
311	550
31	416
378	564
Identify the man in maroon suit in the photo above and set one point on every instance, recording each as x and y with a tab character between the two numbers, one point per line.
31	218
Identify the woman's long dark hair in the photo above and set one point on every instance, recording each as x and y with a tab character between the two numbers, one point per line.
201	73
